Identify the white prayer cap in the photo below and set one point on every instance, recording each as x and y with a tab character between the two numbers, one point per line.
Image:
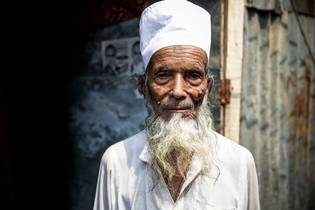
173	22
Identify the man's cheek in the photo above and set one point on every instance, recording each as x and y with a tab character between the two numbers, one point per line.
199	94
154	103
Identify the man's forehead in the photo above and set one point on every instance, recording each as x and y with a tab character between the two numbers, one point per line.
180	55
176	49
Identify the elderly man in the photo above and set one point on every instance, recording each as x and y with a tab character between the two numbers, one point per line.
178	161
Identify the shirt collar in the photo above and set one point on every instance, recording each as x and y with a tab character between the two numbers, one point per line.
195	166
145	155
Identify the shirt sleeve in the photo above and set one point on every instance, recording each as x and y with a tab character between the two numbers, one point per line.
103	192
252	184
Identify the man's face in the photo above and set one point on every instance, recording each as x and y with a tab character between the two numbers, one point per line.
177	81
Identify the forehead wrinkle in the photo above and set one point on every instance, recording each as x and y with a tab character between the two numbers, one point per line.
181	49
178	68
186	55
180	54
178	64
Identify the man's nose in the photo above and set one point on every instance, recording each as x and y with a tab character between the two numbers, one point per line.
178	90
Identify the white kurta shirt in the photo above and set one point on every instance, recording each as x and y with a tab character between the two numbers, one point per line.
125	180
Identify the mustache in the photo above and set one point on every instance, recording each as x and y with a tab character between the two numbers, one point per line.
167	106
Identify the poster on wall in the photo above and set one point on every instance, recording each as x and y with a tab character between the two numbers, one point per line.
108	106
122	57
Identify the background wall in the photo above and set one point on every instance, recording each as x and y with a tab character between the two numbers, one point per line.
106	107
277	101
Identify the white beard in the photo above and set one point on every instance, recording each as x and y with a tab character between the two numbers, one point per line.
182	138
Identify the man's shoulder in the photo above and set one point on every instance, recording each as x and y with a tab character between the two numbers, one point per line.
230	150
130	147
226	142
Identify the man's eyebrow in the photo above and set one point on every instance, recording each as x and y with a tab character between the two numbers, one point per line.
197	70
163	70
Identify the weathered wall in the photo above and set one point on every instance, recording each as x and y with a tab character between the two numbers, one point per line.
106	108
278	106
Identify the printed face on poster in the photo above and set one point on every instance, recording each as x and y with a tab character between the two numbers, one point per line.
122	57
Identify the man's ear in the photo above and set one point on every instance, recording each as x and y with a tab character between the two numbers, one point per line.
141	85
209	83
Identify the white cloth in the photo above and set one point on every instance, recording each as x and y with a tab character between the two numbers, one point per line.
173	22
125	181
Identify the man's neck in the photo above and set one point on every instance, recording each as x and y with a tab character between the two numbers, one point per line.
180	161
174	185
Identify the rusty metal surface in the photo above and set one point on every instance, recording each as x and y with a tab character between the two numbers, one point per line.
306	7
278	107
262	4
225	91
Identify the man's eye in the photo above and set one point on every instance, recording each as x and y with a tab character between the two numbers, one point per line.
194	76
162	77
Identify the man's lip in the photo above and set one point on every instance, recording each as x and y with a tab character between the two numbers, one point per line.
178	110
175	109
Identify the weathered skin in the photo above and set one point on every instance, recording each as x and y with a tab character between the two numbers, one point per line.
176	81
